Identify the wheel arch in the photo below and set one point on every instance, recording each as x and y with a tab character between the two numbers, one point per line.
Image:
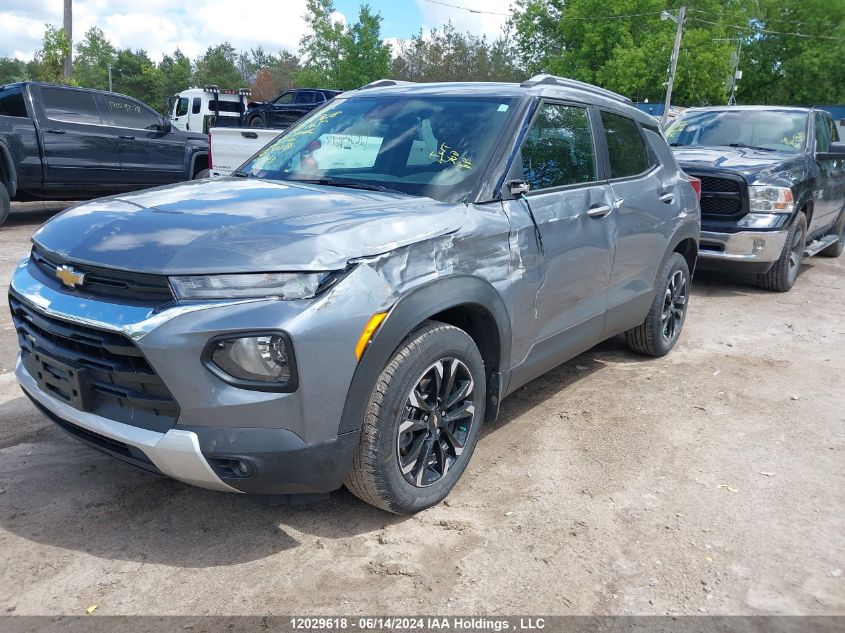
199	161
464	301
684	241
8	173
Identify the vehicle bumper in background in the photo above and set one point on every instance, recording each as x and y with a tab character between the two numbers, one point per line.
749	251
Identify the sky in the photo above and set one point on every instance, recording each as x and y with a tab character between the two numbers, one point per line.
161	26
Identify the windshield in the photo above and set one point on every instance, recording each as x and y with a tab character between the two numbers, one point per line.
423	146
780	131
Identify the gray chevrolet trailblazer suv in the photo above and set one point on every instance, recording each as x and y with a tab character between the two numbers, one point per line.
357	299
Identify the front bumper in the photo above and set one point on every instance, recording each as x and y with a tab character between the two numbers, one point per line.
751	251
290	441
175	453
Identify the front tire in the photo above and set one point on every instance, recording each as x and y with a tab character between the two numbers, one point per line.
256	121
781	277
5	203
657	335
422	421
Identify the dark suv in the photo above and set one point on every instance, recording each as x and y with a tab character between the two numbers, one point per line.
358	298
286	108
773	187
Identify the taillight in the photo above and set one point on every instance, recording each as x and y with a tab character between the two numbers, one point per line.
210	163
696	184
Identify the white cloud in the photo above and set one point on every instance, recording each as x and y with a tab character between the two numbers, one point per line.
157	26
491	17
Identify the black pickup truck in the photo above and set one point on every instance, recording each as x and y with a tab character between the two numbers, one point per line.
66	143
773	187
286	108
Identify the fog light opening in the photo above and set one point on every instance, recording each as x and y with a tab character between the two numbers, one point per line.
232	467
758	247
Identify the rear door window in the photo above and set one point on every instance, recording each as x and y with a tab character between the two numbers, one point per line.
196	106
129	113
558	149
305	96
11	102
629	155
70	106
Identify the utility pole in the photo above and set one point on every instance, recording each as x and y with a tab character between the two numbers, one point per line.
665	15
110	89
68	28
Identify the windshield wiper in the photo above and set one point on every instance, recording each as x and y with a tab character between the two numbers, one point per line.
240	174
758	148
349	184
676	145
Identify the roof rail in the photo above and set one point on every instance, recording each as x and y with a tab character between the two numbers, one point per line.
378	83
563	82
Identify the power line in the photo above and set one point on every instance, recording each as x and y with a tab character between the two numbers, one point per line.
565	16
759	29
455	6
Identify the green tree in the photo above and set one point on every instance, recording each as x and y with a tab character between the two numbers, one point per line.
12	70
448	55
218	66
365	57
788	69
626	46
52	55
94	55
175	74
321	47
136	75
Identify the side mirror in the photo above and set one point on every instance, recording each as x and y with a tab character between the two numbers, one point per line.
518	188
165	125
836	151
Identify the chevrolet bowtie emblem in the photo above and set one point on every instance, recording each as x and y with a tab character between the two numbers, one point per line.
69	277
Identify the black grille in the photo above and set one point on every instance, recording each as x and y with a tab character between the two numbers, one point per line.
723	197
92	370
127	287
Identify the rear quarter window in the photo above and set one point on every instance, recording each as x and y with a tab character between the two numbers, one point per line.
11	102
628	153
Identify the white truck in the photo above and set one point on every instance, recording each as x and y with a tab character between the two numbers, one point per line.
229	148
200	109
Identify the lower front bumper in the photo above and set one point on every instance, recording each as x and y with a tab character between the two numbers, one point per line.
279	461
752	251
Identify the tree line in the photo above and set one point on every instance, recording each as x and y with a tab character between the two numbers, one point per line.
788	51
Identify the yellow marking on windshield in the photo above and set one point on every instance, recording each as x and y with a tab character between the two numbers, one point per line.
447	154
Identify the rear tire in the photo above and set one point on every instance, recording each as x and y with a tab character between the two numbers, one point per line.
781	277
205	173
835	250
657	335
422	421
256	121
5	203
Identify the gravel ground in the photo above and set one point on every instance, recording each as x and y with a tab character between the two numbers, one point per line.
709	481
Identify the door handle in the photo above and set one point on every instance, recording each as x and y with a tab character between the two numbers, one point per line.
667	198
249	134
127	138
54	131
599	210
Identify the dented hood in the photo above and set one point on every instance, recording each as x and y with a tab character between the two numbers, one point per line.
243	225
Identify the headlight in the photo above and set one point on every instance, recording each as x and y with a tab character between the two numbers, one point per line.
262	361
249	286
765	199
